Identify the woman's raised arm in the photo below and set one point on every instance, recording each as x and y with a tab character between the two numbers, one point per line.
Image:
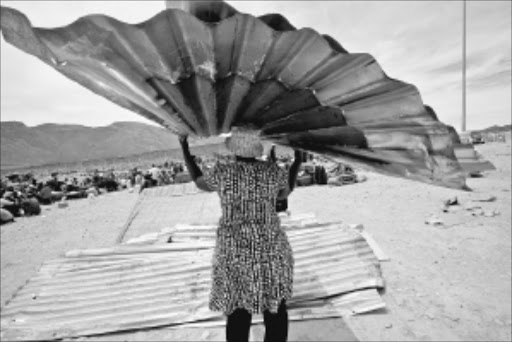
299	156
194	170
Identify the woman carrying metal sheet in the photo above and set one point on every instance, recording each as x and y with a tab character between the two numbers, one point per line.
253	260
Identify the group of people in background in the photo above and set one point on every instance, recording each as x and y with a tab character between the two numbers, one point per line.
23	194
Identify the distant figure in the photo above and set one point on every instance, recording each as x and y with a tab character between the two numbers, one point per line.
54	182
139	178
132	174
155	172
282	203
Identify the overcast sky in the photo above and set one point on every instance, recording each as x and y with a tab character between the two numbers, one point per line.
419	42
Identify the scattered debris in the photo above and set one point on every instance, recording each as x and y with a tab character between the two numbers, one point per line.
451	201
430	314
490	213
452	318
485	198
470	207
479	211
361	178
63	203
452	205
451	209
379	253
434	221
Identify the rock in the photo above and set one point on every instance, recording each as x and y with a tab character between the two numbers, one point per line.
63	205
451	201
389	326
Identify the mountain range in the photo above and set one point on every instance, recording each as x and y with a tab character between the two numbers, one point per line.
23	146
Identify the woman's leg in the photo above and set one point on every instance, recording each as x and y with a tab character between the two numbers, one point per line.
238	326
276	325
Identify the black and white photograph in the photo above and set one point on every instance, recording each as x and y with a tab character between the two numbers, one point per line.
256	170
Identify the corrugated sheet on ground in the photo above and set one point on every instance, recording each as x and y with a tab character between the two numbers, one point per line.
130	286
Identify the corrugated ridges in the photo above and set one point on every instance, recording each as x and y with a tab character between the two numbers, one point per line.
198	78
132	287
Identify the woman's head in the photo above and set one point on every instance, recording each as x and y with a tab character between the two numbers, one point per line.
244	142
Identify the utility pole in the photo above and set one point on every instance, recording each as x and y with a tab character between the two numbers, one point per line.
463	66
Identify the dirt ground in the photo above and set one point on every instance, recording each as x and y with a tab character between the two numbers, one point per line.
445	282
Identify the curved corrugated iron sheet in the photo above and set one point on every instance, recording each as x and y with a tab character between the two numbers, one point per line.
201	73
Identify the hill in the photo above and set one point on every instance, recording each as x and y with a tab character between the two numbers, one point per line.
495	129
23	146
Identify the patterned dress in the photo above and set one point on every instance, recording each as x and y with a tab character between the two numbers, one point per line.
253	261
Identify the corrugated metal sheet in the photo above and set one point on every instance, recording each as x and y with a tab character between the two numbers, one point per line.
171	190
470	160
186	232
163	207
300	88
132	287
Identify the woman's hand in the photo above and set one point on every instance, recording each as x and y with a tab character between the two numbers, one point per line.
300	156
183	140
272	154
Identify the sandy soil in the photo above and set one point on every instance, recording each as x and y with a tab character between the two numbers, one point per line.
447	282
